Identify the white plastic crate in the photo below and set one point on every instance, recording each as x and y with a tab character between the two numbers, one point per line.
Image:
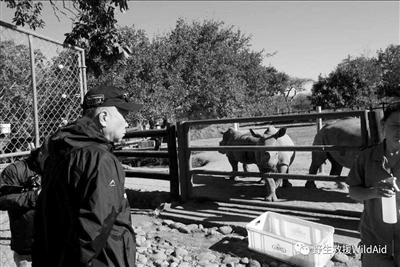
292	240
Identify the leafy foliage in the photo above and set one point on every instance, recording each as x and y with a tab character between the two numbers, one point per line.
352	84
94	28
389	62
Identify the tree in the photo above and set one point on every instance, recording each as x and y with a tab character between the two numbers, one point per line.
215	70
353	84
389	62
94	28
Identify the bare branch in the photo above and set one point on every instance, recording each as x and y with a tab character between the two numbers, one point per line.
70	10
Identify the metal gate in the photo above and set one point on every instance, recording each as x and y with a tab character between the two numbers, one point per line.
42	84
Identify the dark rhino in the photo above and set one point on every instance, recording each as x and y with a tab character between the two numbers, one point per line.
266	161
345	132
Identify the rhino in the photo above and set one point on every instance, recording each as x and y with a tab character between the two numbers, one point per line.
266	161
345	132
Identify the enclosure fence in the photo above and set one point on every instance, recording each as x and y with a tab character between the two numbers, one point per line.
369	131
42	83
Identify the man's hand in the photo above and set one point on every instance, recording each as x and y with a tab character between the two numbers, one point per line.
387	187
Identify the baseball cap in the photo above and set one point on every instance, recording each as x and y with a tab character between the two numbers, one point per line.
108	96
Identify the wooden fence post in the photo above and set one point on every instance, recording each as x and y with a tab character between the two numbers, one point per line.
364	129
173	162
185	178
319	126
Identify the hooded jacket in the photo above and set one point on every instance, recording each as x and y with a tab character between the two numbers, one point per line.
18	195
82	217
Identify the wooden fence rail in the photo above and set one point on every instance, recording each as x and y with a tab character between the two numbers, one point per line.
171	154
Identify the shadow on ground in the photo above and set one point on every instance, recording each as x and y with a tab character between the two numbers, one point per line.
221	188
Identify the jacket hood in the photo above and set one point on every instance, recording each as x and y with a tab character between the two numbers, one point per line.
81	133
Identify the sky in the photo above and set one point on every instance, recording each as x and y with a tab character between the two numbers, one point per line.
310	38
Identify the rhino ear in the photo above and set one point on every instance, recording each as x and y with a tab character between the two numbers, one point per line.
280	133
255	134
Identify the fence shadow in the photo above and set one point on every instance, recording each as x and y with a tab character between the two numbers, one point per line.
223	189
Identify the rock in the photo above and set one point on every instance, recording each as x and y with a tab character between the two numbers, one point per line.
201	227
163	228
169	251
177	225
265	265
212	232
204	262
193	227
229	259
206	256
140	240
225	230
283	265
174	264
184	264
274	264
340	257
244	260
159	256
180	252
211	265
184	229
167	222
253	263
330	264
142	259
147	244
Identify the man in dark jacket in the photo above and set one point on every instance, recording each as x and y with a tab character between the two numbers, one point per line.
19	189
83	216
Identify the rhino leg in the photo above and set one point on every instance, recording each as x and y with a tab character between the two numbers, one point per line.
337	170
245	168
234	164
318	158
270	187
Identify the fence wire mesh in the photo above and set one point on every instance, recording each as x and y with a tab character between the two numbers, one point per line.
41	87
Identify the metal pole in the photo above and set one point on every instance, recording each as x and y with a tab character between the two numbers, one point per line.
83	73
319	120
319	127
35	95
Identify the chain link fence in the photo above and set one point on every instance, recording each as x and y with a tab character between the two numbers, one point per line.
42	84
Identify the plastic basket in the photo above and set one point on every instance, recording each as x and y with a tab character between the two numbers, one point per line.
292	240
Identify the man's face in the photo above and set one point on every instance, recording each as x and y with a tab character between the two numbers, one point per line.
114	124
